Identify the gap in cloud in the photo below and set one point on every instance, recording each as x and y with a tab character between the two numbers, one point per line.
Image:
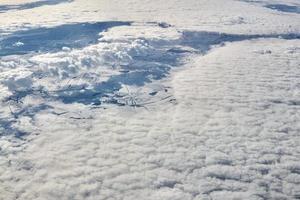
5	8
278	7
55	38
150	60
154	61
6	128
284	8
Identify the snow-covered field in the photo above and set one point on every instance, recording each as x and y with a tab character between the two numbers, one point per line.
150	100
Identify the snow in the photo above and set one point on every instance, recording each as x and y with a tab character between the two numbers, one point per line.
149	100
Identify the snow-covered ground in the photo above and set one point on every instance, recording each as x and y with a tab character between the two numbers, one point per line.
154	100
